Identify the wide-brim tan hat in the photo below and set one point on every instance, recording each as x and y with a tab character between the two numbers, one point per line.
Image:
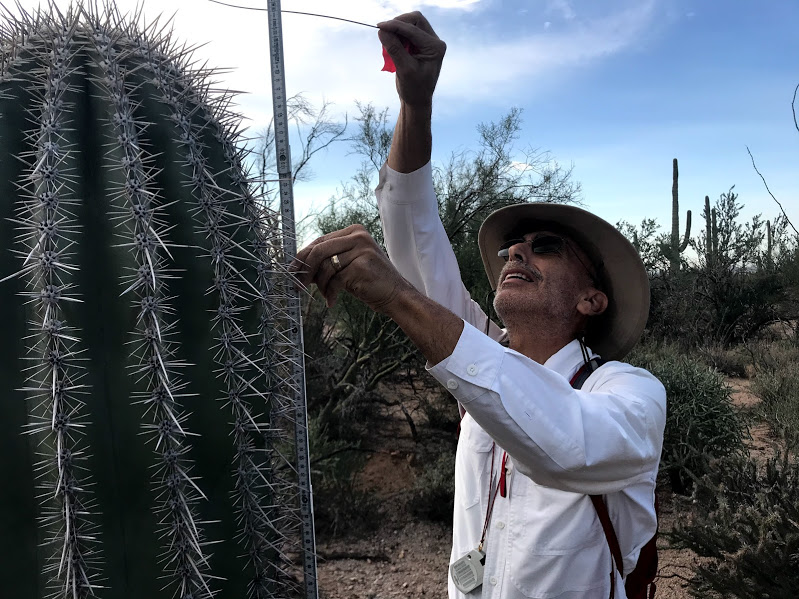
621	272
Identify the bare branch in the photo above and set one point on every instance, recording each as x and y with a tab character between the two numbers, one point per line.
766	184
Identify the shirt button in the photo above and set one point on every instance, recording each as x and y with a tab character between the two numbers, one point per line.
472	369
452	384
500	525
493	580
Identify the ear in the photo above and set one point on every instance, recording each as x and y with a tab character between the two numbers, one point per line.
592	303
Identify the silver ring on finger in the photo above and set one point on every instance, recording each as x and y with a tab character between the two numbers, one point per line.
336	262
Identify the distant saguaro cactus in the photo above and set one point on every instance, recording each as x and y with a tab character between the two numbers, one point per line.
769	246
141	369
711	235
675	247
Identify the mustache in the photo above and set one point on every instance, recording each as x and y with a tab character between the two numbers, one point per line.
518	265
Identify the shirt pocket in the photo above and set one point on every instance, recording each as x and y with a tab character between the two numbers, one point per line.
472	465
578	575
558	548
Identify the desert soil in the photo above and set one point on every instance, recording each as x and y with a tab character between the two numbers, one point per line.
408	557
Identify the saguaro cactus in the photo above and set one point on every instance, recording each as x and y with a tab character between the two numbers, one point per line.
711	234
140	366
674	248
769	246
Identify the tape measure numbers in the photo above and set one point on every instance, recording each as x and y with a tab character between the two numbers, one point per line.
283	158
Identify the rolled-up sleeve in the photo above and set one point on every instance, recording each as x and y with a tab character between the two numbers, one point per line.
593	441
418	245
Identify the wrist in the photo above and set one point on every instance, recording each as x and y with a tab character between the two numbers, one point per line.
412	145
417	110
403	301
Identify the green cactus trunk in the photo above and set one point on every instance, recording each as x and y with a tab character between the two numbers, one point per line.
675	247
711	236
140	368
769	246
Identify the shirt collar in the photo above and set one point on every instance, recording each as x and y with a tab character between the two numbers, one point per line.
568	359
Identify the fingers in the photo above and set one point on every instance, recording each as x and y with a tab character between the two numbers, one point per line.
415	19
395	47
424	41
362	268
301	267
333	286
313	263
327	279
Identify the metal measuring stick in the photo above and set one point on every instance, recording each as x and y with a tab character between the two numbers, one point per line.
283	157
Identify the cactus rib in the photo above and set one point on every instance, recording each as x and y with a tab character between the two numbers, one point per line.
262	538
179	492
57	418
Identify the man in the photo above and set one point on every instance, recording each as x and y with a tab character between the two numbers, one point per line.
532	448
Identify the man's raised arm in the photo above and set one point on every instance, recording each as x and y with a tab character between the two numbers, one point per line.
416	79
415	238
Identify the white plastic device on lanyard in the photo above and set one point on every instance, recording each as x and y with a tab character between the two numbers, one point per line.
467	572
283	156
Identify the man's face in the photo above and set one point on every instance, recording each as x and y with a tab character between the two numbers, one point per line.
545	279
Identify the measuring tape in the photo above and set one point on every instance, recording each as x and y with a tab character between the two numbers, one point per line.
283	156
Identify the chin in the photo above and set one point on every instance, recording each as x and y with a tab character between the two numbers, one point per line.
504	305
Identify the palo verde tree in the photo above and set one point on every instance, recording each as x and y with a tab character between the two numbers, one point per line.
736	296
142	367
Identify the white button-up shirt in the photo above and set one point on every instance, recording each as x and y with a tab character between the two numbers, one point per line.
544	539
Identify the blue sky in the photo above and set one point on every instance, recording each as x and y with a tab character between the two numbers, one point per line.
618	87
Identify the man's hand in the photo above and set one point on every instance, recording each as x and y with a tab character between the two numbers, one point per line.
360	267
363	269
417	73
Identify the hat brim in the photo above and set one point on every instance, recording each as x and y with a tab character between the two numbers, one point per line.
624	279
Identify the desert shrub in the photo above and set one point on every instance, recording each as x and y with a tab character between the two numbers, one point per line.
440	409
701	422
779	391
674	316
434	490
774	355
701	304
340	506
746	522
730	361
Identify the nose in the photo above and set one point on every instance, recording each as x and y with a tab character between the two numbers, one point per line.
517	252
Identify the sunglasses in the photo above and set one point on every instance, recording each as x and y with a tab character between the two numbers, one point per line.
545	244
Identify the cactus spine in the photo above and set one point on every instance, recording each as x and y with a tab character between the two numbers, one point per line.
673	250
141	353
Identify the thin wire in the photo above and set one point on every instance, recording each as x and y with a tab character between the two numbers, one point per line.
295	12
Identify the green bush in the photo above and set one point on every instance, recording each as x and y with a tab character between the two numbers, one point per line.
747	524
779	391
774	355
440	410
434	490
732	361
340	506
701	422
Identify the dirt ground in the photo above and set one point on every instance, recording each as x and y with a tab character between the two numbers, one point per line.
406	557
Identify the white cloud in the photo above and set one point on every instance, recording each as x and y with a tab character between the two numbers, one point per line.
563	7
517	65
341	61
459	4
